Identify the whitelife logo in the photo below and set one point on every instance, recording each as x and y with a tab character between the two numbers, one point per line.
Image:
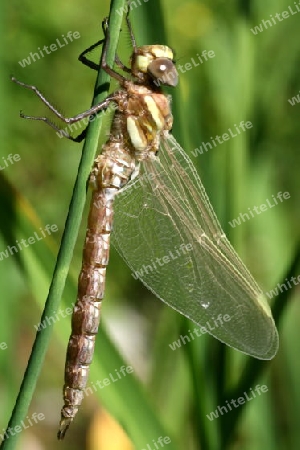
205	146
162	261
205	56
238	402
285	286
261	208
292	101
279	16
9	160
121	373
218	322
53	47
10	250
159	443
23	425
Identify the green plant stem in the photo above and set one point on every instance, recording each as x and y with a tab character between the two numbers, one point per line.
67	245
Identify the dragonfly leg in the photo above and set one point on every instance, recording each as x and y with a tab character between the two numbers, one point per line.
69	120
104	64
100	106
91	64
111	72
87	62
60	131
121	65
132	38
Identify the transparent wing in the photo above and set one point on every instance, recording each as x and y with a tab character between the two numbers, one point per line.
168	234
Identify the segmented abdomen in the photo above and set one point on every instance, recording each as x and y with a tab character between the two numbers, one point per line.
111	171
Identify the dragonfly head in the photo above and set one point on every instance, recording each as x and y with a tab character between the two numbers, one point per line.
156	61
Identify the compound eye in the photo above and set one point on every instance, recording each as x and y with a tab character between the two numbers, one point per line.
164	71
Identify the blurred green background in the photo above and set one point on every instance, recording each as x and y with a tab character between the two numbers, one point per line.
251	78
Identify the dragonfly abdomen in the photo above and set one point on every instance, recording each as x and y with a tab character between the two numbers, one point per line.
108	176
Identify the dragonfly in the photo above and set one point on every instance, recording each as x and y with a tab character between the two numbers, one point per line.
149	199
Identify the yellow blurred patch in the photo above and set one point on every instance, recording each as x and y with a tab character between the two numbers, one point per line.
106	434
193	19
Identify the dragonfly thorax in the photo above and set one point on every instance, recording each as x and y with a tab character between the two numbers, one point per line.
147	115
